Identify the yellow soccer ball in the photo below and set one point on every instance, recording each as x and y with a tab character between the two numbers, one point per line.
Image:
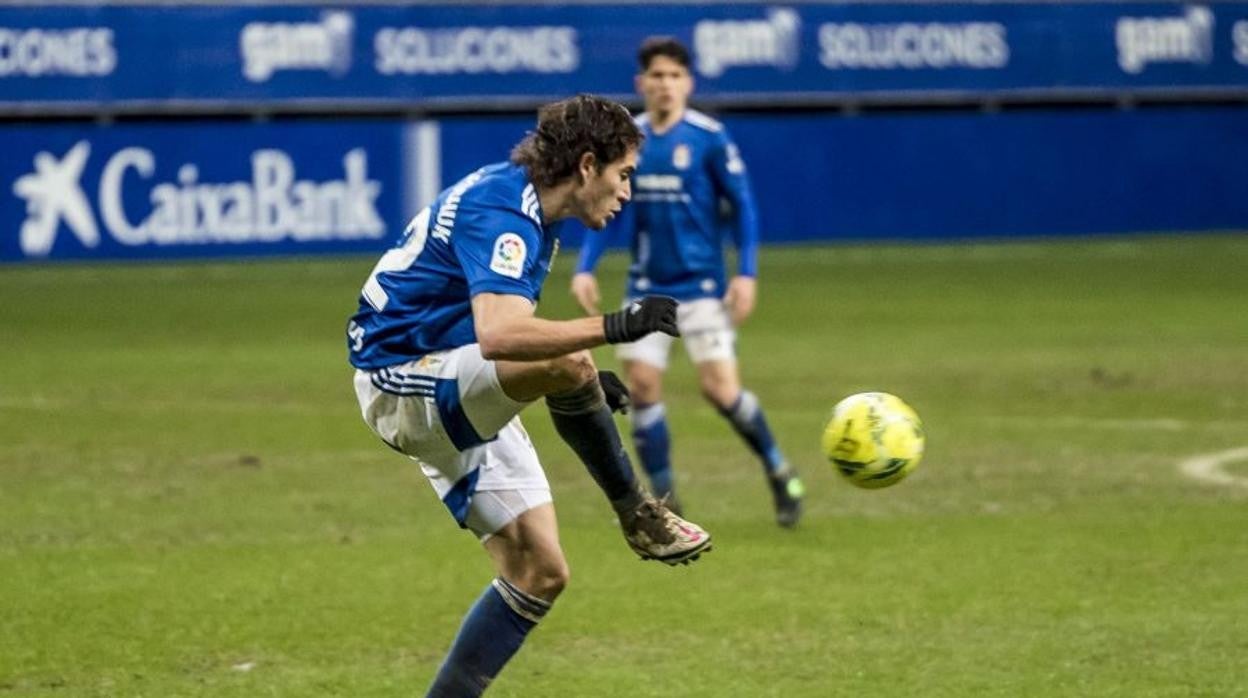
873	439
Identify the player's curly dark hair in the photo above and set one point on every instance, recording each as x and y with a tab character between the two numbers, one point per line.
667	46
568	129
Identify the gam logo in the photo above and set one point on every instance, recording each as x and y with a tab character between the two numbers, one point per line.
1145	40
1239	33
268	47
773	42
271	206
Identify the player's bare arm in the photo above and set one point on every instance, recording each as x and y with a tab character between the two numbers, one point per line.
507	329
585	291
740	298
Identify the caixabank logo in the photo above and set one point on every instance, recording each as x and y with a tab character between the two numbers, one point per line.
133	201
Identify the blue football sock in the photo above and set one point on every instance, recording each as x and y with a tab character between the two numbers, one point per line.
584	421
654	445
492	632
746	417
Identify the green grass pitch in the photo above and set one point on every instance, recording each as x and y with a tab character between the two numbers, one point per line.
190	504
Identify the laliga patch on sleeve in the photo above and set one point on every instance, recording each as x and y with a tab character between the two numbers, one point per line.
509	254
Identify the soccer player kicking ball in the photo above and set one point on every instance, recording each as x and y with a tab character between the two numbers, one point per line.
448	352
687	166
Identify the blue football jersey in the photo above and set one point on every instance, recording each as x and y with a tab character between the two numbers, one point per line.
482	235
674	222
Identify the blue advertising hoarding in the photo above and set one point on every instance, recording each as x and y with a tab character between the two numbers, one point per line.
204	189
959	175
151	57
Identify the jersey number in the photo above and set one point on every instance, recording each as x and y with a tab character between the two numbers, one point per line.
402	257
356	334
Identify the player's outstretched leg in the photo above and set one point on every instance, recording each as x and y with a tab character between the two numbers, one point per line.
746	416
582	418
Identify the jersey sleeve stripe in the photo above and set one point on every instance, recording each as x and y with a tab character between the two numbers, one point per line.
703	121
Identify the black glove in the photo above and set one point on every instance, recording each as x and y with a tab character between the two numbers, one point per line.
618	398
640	318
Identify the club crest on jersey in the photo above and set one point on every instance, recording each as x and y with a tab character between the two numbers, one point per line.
509	254
681	157
429	361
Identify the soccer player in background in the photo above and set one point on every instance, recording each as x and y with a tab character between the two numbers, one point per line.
688	165
448	351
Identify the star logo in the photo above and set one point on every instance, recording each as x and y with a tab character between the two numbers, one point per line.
53	193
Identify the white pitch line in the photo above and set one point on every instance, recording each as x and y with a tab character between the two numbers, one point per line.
1123	424
1208	468
1159	423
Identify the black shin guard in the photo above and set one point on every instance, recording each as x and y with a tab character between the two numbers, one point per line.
584	421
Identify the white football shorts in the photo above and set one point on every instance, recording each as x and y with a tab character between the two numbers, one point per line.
705	327
448	413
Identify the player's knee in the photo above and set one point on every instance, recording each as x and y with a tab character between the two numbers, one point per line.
557	576
547	578
571	372
645	388
719	394
646	393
